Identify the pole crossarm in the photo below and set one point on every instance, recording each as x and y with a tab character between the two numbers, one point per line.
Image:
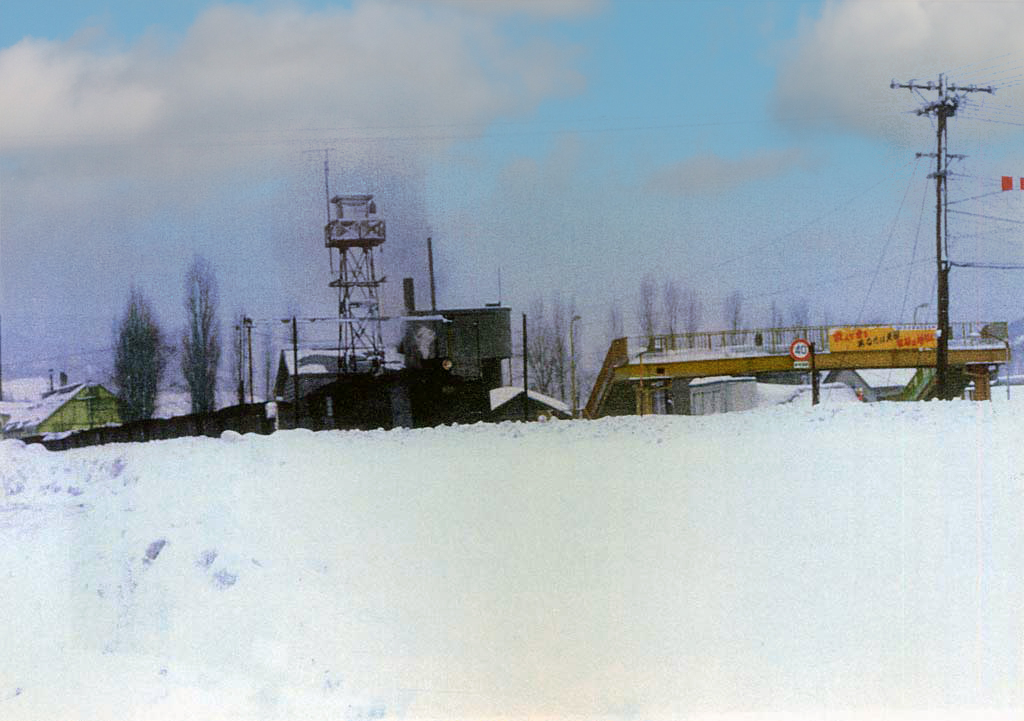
953	88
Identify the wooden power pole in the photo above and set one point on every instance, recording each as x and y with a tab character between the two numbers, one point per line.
945	107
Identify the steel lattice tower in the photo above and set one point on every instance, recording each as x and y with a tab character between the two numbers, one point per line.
355	231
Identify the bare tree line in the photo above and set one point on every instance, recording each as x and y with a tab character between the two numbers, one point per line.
668	308
548	353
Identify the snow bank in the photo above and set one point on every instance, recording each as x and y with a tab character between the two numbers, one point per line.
781	562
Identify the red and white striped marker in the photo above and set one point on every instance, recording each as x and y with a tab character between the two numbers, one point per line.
1008	182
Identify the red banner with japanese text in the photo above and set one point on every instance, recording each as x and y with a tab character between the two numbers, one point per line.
879	338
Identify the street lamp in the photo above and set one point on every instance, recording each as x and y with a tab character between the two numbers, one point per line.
643	394
919	307
986	333
572	366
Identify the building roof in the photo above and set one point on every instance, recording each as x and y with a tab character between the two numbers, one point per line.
887	377
501	396
33	414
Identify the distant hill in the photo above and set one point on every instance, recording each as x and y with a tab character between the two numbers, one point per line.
25	389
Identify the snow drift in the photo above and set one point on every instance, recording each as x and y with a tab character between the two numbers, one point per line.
848	558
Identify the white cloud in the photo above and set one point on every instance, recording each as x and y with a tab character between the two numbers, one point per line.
150	152
836	73
54	91
537	8
710	173
381	69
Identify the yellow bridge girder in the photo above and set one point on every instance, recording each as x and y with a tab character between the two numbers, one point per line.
751	365
756	351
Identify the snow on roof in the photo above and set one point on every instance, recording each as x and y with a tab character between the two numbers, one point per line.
321	360
33	414
887	377
709	380
501	396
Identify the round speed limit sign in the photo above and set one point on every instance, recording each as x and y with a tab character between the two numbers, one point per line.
800	350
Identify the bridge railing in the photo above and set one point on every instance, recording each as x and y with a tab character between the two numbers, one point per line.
776	341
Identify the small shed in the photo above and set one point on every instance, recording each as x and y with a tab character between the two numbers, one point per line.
722	394
507	405
317	368
72	407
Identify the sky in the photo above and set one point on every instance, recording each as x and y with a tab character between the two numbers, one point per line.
567	147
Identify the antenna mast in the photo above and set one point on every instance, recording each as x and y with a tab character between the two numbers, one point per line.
356	231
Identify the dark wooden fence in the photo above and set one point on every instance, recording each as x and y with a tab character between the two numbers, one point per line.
248	418
420	398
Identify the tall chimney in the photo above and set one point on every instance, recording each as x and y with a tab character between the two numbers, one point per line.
409	290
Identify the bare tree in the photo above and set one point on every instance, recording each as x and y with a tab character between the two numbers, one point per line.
558	338
615	325
734	310
671	306
139	359
200	342
548	352
800	313
775	319
646	308
539	356
693	311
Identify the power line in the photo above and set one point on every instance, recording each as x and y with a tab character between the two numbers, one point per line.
838	279
978	62
976	197
813	221
913	252
989	266
988	217
888	241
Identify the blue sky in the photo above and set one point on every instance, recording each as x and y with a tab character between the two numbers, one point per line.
571	146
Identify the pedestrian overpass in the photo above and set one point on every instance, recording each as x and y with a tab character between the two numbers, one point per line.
636	370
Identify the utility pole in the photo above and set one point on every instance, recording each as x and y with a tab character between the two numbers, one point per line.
572	367
945	107
240	357
526	386
295	367
248	328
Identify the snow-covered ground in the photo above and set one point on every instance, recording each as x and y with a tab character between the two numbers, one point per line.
852	561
